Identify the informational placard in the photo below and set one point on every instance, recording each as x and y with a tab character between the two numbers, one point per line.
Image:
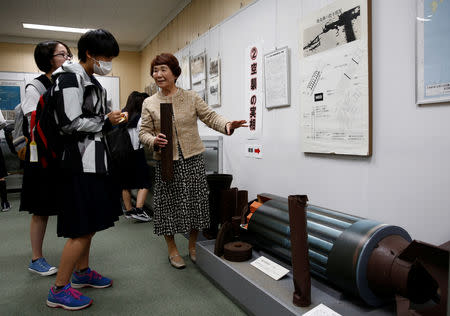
321	310
433	51
277	78
272	269
335	83
253	89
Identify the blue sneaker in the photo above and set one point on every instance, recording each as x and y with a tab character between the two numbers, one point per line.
41	267
68	298
90	278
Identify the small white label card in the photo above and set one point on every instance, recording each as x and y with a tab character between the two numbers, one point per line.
321	310
33	152
270	268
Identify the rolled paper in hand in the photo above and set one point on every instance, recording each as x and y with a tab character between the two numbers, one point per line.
167	151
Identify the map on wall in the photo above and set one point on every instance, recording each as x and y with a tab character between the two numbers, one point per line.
334	80
433	51
9	95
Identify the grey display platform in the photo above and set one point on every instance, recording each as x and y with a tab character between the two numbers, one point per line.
259	294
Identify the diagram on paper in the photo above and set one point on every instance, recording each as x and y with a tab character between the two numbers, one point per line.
334	100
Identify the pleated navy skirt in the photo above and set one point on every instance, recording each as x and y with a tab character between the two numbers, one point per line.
91	203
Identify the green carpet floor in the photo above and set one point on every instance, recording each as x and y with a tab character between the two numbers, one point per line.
129	253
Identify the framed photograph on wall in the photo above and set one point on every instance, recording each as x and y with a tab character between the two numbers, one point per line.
200	88
432	52
198	68
214	82
335	79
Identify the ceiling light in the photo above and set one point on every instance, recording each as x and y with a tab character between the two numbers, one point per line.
55	28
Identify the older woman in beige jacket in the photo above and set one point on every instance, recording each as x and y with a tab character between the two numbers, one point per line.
181	205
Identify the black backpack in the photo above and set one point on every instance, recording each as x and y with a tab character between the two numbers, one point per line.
119	147
45	131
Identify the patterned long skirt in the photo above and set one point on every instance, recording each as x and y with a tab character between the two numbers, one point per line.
181	204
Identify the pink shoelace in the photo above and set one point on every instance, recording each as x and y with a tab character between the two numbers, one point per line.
71	291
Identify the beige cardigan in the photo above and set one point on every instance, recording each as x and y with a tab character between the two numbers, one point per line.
187	107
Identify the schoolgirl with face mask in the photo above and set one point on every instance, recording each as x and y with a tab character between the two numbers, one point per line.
90	200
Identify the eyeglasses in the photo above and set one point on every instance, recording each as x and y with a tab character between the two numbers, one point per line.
65	56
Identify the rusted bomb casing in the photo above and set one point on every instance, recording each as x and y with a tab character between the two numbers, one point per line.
339	245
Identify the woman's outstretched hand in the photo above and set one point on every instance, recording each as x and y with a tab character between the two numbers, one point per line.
235	124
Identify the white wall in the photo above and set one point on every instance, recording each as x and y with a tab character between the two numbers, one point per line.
111	84
406	182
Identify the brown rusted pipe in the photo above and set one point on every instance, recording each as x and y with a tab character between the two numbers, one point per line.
299	249
167	151
228	204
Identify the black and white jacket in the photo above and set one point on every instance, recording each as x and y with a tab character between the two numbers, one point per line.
81	110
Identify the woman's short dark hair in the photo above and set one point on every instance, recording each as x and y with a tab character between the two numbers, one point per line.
167	59
98	43
43	54
134	103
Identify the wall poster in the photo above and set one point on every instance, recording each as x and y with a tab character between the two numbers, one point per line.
277	78
335	79
214	82
433	51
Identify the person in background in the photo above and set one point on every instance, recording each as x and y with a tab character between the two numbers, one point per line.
3	173
39	186
90	198
135	175
181	205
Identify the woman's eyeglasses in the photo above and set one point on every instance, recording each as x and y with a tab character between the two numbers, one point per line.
65	56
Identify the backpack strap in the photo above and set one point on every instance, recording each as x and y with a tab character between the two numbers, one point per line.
32	124
41	83
33	117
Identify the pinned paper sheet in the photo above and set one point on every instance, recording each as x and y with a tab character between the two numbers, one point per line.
321	310
270	268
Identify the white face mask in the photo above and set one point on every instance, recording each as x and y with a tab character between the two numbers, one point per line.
104	68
